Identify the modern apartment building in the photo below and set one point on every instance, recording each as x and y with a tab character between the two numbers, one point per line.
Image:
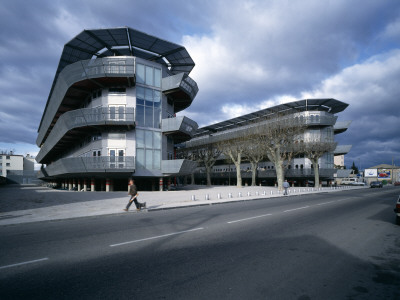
319	116
111	112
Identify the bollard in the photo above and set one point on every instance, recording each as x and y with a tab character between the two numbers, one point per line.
219	196
207	197
248	194
193	198
264	193
272	192
230	195
256	193
294	191
240	194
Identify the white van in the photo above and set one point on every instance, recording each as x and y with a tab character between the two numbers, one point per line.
348	181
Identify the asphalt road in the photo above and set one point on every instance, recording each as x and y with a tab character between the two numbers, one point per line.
323	246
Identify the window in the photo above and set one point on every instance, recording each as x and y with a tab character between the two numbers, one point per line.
148	75
116	158
116	136
8	157
116	112
7	164
148	107
139	73
148	149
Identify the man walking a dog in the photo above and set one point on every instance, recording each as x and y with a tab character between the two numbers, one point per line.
134	194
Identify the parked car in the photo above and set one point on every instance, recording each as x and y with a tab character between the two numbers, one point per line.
397	211
358	183
376	184
397	183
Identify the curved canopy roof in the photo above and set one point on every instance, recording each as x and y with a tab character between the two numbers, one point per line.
330	105
125	41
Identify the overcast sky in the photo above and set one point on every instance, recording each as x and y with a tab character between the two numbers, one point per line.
249	55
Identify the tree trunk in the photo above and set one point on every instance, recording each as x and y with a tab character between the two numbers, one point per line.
208	171
316	173
253	173
238	175
279	174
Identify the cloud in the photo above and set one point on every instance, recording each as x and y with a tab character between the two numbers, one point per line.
371	89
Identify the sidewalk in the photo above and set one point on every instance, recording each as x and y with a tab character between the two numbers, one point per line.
102	203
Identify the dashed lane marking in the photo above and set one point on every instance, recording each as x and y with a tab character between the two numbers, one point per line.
156	237
24	263
296	208
235	221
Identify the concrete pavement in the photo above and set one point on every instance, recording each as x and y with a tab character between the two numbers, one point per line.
44	204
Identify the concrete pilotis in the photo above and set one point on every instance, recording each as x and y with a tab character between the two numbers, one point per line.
161	183
92	183
70	185
79	185
107	185
84	185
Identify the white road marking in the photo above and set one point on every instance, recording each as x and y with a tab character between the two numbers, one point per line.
296	208
156	237
24	263
249	218
323	203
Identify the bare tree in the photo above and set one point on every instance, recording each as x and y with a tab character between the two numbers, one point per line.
254	151
234	148
281	136
313	150
207	156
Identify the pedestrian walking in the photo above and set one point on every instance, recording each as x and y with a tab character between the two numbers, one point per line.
134	194
285	186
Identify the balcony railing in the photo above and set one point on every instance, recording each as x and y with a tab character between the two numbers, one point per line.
179	126
179	84
82	166
119	66
299	173
86	117
178	167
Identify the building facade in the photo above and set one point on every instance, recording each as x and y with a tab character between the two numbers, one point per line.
17	168
319	116
111	112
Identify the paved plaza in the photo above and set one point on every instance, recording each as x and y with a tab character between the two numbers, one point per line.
23	204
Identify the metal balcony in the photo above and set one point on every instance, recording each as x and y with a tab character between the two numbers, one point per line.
181	128
178	167
181	89
90	166
84	118
76	80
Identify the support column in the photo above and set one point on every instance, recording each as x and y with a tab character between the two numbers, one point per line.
84	185
70	185
161	184
92	184
169	183
102	188
73	183
111	185
79	185
107	185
